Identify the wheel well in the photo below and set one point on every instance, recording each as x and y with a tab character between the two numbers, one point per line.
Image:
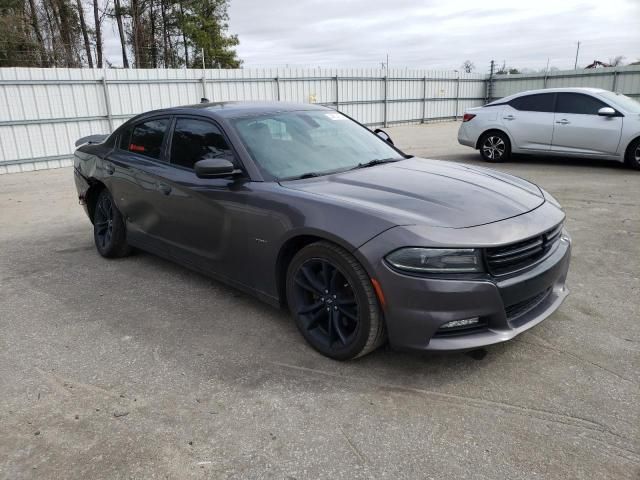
492	130
91	197
286	254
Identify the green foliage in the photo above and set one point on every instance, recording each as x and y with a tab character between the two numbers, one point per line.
205	24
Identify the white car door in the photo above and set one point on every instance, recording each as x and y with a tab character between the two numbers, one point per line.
529	121
579	129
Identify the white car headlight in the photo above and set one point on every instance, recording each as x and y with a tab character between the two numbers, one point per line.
436	260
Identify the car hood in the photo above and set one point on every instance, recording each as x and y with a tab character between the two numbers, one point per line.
428	192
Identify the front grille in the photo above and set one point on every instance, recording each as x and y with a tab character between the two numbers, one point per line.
518	309
519	256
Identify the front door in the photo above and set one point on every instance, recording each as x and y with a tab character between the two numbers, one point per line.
580	130
204	221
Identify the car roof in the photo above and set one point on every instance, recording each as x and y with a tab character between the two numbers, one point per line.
237	109
592	91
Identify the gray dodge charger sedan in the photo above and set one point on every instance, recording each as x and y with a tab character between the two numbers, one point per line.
307	209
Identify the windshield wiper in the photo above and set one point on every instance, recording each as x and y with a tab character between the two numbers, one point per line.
374	162
304	175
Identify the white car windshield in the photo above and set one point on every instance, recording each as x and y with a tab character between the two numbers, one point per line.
310	143
625	103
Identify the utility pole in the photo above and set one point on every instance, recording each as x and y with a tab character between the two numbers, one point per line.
575	65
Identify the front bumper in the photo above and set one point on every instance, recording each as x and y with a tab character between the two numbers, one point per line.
417	306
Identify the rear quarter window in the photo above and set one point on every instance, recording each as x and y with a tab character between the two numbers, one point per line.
145	138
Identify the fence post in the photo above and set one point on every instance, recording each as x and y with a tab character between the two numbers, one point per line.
457	96
615	80
385	123
337	90
277	79
489	94
107	102
424	98
204	85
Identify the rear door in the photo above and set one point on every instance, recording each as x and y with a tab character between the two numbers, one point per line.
579	128
529	121
140	163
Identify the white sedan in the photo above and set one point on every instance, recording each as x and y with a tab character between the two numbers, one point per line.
578	122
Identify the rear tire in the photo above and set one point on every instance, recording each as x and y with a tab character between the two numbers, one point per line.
109	229
333	302
633	155
495	147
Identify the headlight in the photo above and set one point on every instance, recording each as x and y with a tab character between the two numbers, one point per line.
436	260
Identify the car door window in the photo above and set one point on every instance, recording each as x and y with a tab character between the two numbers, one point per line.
195	140
542	102
578	103
146	138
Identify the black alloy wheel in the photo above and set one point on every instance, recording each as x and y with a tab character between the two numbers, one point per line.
333	302
109	230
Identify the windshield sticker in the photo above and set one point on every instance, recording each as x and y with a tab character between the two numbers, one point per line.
335	116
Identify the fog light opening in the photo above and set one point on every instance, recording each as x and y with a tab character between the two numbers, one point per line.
467	322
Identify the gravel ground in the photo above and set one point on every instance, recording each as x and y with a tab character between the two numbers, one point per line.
138	368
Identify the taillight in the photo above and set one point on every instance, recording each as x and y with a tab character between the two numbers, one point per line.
467	117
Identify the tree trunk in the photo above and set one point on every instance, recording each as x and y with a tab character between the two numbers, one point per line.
52	33
184	38
125	61
62	17
85	34
165	52
152	21
44	61
96	19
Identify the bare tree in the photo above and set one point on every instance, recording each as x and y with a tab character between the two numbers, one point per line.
97	20
85	34
468	66
118	14
616	61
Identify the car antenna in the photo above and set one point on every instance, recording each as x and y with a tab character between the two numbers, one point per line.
204	100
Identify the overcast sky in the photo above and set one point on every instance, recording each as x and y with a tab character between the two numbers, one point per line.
436	34
432	34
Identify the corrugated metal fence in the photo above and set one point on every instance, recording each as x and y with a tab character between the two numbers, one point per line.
619	79
43	111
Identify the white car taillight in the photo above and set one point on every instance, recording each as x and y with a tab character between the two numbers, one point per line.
467	117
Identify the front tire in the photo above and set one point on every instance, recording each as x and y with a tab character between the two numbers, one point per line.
109	230
495	147
333	302
633	155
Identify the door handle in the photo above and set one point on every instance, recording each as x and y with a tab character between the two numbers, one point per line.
110	169
509	117
564	121
164	188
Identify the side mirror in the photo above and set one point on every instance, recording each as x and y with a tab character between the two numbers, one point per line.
213	168
383	135
606	112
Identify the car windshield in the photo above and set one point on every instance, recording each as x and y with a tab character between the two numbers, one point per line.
625	103
300	144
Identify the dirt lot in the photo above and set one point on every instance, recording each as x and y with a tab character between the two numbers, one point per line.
138	368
